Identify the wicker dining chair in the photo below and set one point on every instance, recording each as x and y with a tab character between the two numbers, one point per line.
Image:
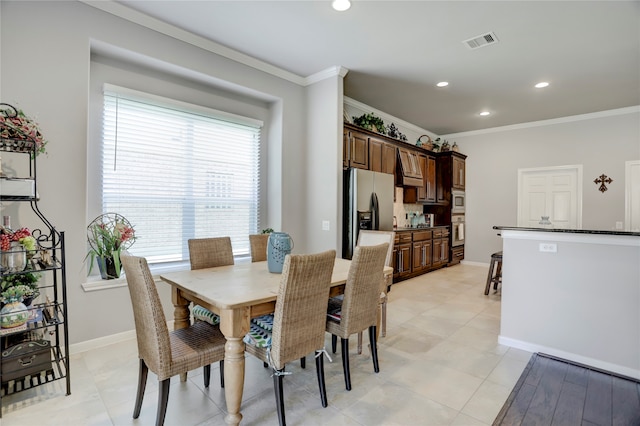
298	325
372	238
209	253
258	247
166	353
358	309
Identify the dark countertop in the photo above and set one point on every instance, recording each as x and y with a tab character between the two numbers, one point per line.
568	231
420	229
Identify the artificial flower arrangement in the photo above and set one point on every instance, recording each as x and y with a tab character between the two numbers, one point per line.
108	235
22	236
16	125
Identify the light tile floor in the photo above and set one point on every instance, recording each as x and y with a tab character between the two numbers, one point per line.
440	364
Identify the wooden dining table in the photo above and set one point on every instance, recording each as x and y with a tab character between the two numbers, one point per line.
237	293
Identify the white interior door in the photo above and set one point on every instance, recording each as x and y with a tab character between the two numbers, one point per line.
550	191
632	196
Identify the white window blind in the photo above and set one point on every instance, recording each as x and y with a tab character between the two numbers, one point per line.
178	171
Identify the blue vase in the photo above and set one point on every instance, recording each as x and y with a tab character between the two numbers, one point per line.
279	245
108	269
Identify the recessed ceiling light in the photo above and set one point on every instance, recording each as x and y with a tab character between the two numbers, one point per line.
443	84
485	113
541	85
341	5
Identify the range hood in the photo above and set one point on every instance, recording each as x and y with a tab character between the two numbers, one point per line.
411	174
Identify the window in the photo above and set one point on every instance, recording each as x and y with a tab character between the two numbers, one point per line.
178	171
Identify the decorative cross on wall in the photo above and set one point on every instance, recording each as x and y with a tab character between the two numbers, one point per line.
602	179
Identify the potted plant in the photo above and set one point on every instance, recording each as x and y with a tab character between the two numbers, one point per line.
14	313
27	283
371	122
108	235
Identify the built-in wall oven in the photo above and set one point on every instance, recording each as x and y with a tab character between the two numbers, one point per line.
457	230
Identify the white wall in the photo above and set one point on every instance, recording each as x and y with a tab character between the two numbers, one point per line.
323	200
601	143
581	302
46	72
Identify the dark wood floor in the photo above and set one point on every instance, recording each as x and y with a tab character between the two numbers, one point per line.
553	391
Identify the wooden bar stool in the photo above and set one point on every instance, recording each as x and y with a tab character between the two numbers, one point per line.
496	262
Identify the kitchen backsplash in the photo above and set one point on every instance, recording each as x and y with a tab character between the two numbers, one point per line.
401	210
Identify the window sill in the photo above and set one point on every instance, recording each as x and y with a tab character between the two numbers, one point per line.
95	283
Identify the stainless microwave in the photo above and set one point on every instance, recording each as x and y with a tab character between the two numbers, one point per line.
458	202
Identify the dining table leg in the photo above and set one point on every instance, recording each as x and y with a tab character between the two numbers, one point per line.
234	324
181	315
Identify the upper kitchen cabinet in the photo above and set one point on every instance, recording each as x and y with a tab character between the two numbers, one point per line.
382	156
458	173
425	193
451	175
409	168
355	150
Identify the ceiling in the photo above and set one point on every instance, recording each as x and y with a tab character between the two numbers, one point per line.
396	52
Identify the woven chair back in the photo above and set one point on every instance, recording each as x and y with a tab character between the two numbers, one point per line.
301	308
151	325
362	291
210	252
258	247
373	238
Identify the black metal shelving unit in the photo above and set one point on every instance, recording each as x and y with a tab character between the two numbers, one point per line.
47	329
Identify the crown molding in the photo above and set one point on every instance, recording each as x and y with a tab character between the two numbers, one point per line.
139	18
561	120
329	72
404	124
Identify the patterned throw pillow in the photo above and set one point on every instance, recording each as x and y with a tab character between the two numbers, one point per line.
334	310
205	315
264	321
259	334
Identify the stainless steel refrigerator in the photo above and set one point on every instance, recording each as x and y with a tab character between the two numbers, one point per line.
368	204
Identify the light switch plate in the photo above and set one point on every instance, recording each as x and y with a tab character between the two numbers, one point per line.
326	225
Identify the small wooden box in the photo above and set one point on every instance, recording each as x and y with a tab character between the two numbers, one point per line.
25	359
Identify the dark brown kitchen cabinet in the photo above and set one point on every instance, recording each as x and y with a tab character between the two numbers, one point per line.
430	181
355	150
382	156
421	257
458	173
409	167
457	255
426	193
440	246
402	255
451	175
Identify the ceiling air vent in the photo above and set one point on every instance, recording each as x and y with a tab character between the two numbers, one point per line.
481	41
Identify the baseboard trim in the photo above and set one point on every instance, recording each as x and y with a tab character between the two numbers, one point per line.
101	342
587	361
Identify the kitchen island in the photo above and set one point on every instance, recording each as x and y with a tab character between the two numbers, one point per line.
574	294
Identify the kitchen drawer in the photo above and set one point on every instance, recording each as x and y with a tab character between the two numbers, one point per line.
421	235
440	232
457	254
403	237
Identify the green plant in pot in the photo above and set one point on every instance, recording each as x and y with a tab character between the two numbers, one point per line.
371	122
26	284
107	235
14	312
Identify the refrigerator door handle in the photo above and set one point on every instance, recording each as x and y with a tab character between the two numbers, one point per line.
376	211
